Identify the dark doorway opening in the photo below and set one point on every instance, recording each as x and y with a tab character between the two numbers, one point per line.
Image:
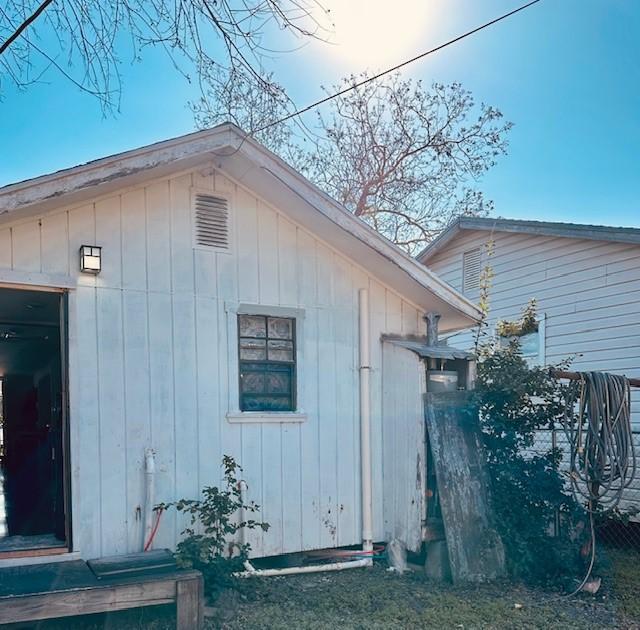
32	422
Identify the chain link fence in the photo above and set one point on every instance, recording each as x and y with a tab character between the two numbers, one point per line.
618	528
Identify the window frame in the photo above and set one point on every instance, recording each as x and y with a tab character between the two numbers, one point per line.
533	360
234	415
292	396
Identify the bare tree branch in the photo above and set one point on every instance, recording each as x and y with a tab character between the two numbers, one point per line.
402	157
87	39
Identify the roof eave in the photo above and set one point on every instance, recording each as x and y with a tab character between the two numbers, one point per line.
219	145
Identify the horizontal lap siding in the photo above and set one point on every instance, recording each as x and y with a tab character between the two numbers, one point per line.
589	292
152	364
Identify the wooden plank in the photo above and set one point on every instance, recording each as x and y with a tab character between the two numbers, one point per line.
134	240
208	392
113	433
393	313
109	236
137	415
272	503
85	417
309	435
475	549
89	601
272	482
26	246
247	243
290	433
252	475
158	221
267	255
347	456
327	426
287	262
185	401
291	489
161	402
55	243
181	234
33	553
82	231
190	604
137	565
5	248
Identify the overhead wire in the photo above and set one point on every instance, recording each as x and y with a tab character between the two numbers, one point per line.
357	84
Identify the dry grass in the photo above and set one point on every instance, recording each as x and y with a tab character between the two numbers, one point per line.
375	598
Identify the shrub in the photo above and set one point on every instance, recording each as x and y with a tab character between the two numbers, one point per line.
515	402
209	543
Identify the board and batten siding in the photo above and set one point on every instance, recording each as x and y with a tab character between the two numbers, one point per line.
588	291
153	357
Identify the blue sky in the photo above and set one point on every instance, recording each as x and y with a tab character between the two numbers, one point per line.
565	72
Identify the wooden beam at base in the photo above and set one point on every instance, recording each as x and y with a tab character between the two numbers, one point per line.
190	604
33	553
87	601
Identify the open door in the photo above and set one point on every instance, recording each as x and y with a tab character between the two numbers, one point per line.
33	432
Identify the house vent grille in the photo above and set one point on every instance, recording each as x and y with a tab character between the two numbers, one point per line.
211	221
471	270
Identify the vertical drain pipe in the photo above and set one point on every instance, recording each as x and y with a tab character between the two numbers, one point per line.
365	420
149	493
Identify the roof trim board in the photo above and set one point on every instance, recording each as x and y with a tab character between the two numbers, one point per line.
538	228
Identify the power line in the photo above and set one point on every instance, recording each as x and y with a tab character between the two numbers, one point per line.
394	68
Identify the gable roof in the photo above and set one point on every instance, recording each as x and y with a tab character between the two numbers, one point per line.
537	228
228	149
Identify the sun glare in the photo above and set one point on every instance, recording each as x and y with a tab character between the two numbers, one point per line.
371	33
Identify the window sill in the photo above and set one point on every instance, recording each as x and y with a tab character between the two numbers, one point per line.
277	417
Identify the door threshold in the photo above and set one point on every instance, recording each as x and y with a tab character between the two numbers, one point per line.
33	553
25	546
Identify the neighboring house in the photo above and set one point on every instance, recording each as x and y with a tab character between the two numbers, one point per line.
224	319
584	278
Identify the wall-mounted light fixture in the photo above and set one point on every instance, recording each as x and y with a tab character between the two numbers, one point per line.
90	259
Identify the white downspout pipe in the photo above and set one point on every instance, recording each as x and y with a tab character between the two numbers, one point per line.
149	493
365	420
364	369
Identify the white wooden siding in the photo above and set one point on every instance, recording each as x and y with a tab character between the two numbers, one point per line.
588	290
152	356
403	446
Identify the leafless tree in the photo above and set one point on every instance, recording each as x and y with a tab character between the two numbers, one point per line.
405	158
86	40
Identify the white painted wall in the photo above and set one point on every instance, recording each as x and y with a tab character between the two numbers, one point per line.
152	363
588	291
403	434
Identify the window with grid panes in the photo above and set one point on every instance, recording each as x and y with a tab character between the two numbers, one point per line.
267	360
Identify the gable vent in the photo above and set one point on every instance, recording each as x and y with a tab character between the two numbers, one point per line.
211	221
471	263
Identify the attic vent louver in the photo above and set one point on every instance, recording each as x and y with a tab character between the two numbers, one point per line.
471	262
211	221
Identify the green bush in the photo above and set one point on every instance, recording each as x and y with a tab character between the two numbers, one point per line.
516	401
209	543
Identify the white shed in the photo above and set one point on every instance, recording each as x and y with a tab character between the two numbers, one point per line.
585	279
224	320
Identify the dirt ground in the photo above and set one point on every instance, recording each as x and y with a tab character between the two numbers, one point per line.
376	598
